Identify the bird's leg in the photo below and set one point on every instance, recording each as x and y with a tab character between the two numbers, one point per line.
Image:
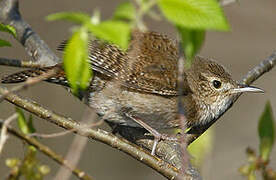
157	136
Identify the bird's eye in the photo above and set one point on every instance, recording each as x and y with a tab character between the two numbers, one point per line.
216	84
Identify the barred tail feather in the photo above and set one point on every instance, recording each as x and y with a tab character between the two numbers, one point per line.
23	75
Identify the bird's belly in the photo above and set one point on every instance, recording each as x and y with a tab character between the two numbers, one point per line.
116	104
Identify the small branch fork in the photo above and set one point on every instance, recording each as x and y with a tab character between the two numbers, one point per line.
43	56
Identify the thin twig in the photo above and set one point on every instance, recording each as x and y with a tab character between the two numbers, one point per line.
227	2
52	135
63	133
48	152
142	10
19	63
72	157
4	134
264	66
76	148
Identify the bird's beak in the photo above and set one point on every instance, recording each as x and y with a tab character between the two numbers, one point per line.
245	88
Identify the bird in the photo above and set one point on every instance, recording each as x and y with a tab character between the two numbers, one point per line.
138	87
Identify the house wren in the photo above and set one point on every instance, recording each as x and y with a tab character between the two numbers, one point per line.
141	83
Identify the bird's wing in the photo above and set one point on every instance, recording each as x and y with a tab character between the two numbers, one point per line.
152	64
149	65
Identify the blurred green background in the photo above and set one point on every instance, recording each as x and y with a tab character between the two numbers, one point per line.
252	39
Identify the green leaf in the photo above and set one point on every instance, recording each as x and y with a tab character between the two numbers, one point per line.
76	17
116	32
4	43
8	28
76	65
194	14
125	11
25	126
30	124
192	41
22	122
201	147
266	132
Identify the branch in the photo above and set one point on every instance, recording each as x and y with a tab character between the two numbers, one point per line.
47	151
34	46
265	66
19	63
4	135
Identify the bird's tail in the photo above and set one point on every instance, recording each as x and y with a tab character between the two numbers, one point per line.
24	75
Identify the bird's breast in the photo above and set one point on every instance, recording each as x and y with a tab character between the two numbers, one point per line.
116	104
210	112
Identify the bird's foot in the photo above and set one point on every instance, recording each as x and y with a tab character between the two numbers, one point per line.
157	136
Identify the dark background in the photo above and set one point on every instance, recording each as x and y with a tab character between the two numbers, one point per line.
252	38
